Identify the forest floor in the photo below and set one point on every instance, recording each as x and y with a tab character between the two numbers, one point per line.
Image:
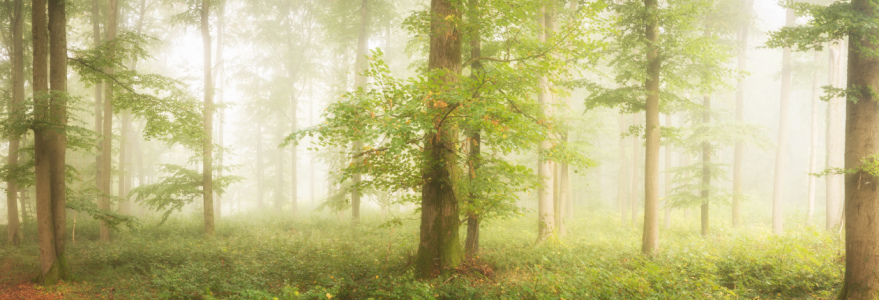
319	258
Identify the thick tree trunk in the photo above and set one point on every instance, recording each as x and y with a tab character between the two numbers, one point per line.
861	146
439	248
706	165
783	124
739	155
359	83
13	226
836	114
650	241
58	133
545	207
207	153
813	145
107	126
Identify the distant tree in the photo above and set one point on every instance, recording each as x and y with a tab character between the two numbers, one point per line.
783	132
208	111
15	114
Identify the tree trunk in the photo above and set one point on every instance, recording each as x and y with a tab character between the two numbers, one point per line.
439	248
471	243
124	205
294	160
813	145
633	179
623	176
706	165
220	83
783	124
650	241
279	177
545	207
260	169
739	155
359	83
207	154
836	115
107	130
50	118
13	226
861	146
667	179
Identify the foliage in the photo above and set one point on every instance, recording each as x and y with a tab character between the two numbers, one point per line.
264	257
182	186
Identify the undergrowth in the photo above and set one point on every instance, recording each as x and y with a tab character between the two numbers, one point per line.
315	258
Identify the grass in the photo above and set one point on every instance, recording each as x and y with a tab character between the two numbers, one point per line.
315	258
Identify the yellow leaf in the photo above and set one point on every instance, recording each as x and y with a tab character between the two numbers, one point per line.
329	296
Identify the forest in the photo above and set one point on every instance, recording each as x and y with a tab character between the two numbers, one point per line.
439	149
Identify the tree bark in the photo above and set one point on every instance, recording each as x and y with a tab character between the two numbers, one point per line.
13	226
836	115
545	205
783	125
471	243
813	145
861	146
207	154
622	175
107	125
667	179
439	249
706	166
359	83
650	241
739	154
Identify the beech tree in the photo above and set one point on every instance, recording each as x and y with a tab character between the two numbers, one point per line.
15	115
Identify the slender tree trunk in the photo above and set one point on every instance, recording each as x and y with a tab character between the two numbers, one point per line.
125	120
650	241
439	248
12	226
623	176
739	155
783	124
207	155
861	146
813	146
279	177
99	122
260	169
836	119
221	92
545	207
107	130
667	179
706	165
636	170
471	243
294	160
359	83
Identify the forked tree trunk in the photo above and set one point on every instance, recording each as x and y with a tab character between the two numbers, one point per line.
861	146
359	83
50	119
783	124
439	248
13	226
650	240
813	146
739	155
207	153
545	208
835	137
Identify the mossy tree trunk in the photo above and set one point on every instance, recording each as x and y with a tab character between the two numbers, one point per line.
439	248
